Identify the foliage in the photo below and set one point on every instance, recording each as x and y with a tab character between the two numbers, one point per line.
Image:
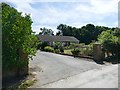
89	50
116	32
22	85
75	51
45	31
113	59
56	45
49	49
84	49
42	45
110	41
39	45
57	50
85	34
61	49
59	33
68	52
74	45
25	84
16	35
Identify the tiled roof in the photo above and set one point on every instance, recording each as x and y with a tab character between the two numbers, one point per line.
57	38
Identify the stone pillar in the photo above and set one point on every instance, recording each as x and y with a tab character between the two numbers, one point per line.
98	54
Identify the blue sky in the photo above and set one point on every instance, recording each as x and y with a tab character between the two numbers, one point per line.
51	13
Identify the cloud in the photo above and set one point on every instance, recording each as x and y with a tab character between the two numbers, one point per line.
77	13
36	1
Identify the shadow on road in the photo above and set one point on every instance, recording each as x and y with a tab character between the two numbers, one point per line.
11	83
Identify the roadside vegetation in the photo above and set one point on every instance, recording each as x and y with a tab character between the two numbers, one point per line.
88	35
18	42
17	38
49	49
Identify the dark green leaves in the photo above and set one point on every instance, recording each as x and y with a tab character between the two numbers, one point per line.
16	35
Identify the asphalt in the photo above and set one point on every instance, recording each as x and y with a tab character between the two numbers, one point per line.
50	69
106	77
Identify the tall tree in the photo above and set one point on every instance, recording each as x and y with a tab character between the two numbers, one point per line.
64	29
86	34
45	31
59	33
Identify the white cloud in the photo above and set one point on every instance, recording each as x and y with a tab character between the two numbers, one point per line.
36	28
77	14
104	6
36	1
115	24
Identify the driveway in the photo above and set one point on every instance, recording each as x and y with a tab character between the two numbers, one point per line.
59	71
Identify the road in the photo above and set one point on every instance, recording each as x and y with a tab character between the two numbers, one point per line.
59	71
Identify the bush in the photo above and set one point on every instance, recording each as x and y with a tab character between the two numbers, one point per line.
57	50
74	45
49	49
61	49
75	52
17	38
88	51
110	41
39	45
57	45
43	45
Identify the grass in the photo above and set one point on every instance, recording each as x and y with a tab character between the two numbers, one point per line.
29	81
25	84
22	85
68	52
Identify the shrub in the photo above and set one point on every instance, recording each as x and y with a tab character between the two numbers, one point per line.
61	49
74	45
17	38
75	51
88	51
110	41
43	45
57	45
49	49
39	45
57	50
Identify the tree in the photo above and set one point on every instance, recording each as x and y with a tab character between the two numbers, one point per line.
66	30
45	31
85	34
88	33
17	36
116	32
110	42
59	33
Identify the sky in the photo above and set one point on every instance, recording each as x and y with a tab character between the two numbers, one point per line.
76	13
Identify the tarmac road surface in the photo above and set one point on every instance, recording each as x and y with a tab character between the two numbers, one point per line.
59	71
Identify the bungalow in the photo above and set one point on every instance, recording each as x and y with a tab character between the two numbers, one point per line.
63	39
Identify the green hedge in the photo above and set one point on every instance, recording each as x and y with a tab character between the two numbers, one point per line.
57	51
89	50
17	37
75	52
49	49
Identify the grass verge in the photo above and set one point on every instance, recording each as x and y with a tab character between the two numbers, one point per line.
25	84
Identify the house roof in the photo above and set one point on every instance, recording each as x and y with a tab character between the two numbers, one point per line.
57	38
